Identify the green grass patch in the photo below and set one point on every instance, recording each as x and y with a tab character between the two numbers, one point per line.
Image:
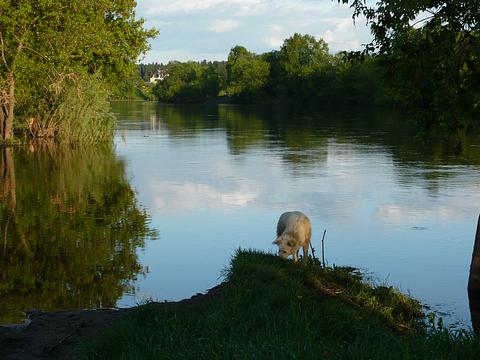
271	308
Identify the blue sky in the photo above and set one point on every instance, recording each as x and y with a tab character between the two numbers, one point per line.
208	29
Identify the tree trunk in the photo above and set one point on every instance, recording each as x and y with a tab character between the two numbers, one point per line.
2	119
474	282
474	278
8	130
3	172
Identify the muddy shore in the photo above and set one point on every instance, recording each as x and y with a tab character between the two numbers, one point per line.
54	335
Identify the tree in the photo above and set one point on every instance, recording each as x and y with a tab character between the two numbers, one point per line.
302	55
183	82
431	50
247	73
42	41
191	81
147	70
302	60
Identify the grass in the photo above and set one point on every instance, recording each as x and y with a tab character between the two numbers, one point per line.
271	308
75	112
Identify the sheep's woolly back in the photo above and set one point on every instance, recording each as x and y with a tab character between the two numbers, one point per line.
296	225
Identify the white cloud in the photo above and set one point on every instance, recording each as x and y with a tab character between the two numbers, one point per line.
241	7
220	26
411	213
207	26
275	36
342	33
164	56
155	7
173	196
250	7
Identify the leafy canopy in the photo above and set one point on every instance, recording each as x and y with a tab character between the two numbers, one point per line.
246	72
431	49
43	39
302	55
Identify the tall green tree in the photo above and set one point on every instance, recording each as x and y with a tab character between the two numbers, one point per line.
247	73
303	61
183	83
431	49
45	41
190	81
302	55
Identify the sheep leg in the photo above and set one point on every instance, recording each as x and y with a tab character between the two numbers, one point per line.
305	252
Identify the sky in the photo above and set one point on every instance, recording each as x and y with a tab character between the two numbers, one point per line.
208	29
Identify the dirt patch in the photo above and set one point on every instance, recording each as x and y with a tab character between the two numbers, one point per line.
54	335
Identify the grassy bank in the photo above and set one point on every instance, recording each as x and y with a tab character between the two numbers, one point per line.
271	308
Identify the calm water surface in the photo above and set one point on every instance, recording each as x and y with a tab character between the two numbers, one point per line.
159	215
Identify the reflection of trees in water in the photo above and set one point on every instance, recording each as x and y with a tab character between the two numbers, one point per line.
300	136
244	129
185	121
7	174
70	238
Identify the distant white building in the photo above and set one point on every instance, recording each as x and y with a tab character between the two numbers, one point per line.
160	75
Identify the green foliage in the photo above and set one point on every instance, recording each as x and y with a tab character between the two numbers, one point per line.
189	82
44	40
247	73
75	111
360	81
302	55
431	51
268	309
302	71
183	81
147	70
71	228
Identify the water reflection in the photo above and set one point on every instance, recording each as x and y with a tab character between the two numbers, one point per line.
70	229
305	134
228	172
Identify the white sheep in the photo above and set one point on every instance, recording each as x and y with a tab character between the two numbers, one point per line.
293	232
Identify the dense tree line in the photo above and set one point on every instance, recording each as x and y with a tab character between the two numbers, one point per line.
425	59
303	70
147	70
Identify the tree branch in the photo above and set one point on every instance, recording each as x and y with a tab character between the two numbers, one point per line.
23	46
3	52
422	20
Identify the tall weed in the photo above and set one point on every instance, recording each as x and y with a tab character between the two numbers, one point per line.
76	112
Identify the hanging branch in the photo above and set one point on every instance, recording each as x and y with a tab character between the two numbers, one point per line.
3	52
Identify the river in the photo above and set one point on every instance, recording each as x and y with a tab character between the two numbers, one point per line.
158	215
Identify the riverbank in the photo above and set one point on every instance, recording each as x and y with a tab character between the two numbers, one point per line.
270	308
267	308
56	334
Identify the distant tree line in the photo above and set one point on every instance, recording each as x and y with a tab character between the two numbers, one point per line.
302	70
147	70
424	59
